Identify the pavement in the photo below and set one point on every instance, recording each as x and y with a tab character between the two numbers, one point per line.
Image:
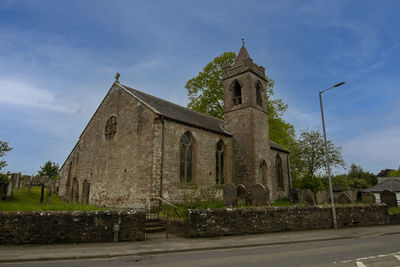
29	253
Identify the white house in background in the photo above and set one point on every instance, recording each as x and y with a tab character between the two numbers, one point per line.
386	183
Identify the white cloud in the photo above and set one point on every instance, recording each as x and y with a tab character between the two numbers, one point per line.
26	95
375	150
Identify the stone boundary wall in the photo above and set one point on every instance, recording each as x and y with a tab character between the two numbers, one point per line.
70	227
394	218
218	222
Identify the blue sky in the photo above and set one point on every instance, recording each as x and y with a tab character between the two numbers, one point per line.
59	58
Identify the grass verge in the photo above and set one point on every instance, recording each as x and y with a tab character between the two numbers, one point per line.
22	201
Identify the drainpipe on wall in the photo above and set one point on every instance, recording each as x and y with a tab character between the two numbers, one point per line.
162	159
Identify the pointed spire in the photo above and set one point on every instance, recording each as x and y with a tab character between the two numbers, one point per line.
243	54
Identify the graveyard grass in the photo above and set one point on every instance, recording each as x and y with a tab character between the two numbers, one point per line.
23	202
394	210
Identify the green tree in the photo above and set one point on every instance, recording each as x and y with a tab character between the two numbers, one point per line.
394	173
206	95
307	155
360	179
49	169
4	148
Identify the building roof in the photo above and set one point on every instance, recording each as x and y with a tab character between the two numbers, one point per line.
390	184
275	146
242	55
184	115
178	113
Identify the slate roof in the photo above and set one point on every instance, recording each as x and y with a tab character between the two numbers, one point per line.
178	113
275	146
242	55
184	115
392	185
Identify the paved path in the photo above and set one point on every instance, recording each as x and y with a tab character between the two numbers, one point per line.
9	254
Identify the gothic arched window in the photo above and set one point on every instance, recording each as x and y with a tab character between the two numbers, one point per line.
68	184
186	158
258	93
237	93
220	163
263	172
111	128
279	171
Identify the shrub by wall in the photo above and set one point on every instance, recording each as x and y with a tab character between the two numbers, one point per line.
70	227
217	222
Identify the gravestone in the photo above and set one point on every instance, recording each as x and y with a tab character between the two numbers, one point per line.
229	195
259	195
307	196
19	178
3	191
294	195
368	197
344	198
241	195
389	198
322	197
10	188
75	191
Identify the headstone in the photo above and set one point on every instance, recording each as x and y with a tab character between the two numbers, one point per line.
307	196
344	198
14	178
294	195
10	188
259	195
75	191
389	198
229	195
368	197
322	197
3	191
19	178
241	195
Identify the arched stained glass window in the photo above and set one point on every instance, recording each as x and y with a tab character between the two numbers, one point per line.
259	93
279	171
237	93
111	128
263	172
186	158
220	163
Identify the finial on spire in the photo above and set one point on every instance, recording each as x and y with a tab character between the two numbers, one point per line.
117	77
243	42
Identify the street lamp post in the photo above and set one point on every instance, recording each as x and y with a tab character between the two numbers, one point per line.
328	167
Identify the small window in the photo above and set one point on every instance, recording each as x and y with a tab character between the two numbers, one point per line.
258	93
237	90
279	171
263	172
220	164
186	158
111	128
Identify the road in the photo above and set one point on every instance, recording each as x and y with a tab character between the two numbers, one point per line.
366	251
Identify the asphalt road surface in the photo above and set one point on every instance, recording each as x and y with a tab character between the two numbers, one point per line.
368	251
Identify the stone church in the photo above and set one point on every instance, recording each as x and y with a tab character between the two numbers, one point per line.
137	147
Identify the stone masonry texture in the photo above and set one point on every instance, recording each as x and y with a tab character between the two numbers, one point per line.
70	227
142	160
218	222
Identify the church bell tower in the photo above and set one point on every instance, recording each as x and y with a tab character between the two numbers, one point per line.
246	117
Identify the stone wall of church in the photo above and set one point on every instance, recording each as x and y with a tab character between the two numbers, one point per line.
279	193
119	170
204	160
